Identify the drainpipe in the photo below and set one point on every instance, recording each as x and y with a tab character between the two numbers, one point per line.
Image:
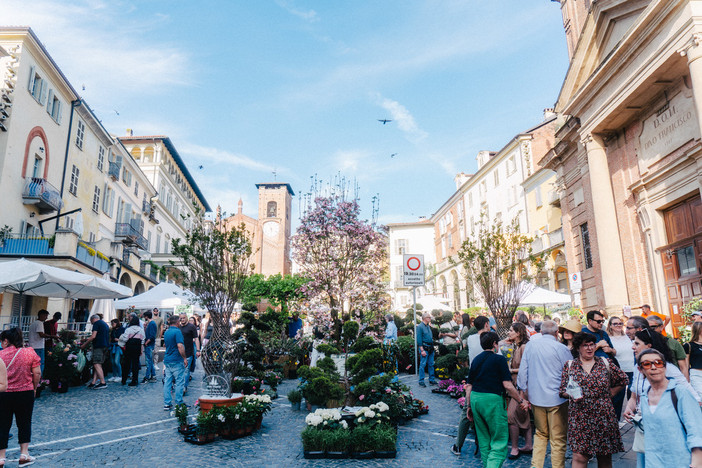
74	104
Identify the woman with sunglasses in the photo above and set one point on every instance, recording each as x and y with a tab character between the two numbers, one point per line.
589	382
673	435
643	340
625	357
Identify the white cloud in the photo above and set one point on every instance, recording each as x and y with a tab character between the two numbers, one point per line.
309	15
217	155
447	164
404	119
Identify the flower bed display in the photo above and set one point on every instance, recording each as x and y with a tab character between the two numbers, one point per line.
227	422
449	387
342	433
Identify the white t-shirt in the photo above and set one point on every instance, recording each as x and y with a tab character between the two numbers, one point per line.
36	341
448	328
625	353
474	347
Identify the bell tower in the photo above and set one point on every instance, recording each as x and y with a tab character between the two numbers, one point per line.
274	218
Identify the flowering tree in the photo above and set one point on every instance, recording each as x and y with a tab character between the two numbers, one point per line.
499	263
343	256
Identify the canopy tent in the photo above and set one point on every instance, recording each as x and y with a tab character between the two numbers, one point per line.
104	307
163	296
430	303
36	279
540	296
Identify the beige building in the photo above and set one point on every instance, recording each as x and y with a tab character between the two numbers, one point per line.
629	158
270	232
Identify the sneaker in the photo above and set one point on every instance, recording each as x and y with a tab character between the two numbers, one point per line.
26	460
100	386
422	384
167	407
454	450
432	383
152	380
91	385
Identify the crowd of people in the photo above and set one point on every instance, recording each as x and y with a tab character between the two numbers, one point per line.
577	382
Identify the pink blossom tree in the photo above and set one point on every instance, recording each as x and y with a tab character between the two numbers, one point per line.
344	257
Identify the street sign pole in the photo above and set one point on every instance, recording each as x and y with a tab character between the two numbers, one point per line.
414	319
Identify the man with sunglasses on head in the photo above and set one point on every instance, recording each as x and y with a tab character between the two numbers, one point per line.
595	321
678	351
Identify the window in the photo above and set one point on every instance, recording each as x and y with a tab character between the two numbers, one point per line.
101	159
686	260
158	243
108	201
585	241
73	187
37	86
127	177
53	107
470	200
36	170
401	246
136	188
496	176
96	199
91	237
272	209
537	194
80	134
450	241
511	165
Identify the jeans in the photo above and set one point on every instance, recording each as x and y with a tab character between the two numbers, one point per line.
192	364
186	377
149	356
175	371
116	361
40	353
426	360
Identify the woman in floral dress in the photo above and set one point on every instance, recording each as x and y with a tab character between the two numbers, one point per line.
592	425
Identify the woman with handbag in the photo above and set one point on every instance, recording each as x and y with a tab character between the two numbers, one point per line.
589	382
132	344
671	417
23	368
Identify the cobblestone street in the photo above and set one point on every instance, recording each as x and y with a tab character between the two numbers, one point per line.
126	426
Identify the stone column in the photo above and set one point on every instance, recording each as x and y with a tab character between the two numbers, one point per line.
609	249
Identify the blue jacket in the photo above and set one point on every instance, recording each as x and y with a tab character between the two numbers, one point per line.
151	330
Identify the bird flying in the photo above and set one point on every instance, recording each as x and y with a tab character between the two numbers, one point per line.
393	155
384	121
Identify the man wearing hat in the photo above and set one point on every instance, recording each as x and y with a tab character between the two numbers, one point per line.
697	316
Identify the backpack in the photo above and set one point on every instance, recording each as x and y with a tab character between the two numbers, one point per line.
133	345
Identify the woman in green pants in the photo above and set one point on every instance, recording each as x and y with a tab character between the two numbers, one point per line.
488	380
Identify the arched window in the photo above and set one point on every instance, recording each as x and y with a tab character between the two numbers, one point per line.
272	209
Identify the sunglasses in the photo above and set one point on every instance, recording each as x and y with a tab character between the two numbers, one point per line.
598	321
658	363
617	324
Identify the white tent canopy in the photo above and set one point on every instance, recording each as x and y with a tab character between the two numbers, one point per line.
540	296
163	296
430	303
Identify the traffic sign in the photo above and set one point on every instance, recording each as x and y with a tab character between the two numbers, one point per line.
413	270
576	281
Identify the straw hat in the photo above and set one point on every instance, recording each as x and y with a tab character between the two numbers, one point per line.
572	325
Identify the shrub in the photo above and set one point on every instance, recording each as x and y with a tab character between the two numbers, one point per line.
328	365
181	414
460	374
448	362
365	365
364	343
319	390
295	396
462	356
336	440
312	439
350	330
328	349
362	438
406	345
384	438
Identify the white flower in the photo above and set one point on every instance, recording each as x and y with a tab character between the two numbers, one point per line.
370	414
344	425
220	417
313	420
381	406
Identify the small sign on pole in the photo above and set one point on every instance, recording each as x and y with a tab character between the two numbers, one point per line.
413	270
576	282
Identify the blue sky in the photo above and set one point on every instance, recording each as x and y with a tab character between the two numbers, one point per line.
248	87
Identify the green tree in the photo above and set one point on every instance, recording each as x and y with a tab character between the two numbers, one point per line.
279	290
499	263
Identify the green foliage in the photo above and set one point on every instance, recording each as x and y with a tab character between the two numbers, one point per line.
384	438
362	438
327	349
364	365
319	390
312	439
462	355
447	361
336	440
204	423
329	367
277	289
459	375
295	396
364	343
350	330
181	414
406	344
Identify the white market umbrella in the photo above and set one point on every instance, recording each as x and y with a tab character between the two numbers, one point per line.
430	303
540	296
36	279
104	307
163	296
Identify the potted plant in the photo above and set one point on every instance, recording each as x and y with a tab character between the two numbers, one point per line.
272	379
336	443
312	442
62	365
362	441
181	414
204	422
385	441
295	399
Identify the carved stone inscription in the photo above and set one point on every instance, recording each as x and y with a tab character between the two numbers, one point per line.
668	128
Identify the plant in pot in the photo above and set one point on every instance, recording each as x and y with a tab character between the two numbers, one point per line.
62	365
312	442
181	414
336	442
272	379
204	426
295	399
318	390
362	443
385	441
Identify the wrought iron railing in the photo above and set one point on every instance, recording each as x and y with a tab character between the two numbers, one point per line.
114	170
39	192
131	235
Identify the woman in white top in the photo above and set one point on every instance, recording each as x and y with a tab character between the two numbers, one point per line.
625	356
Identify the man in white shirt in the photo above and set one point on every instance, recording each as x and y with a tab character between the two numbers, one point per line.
482	324
37	335
450	330
540	377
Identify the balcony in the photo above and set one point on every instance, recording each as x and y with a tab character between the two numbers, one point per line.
130	236
114	170
92	257
42	194
537	245
149	210
555	237
14	245
554	198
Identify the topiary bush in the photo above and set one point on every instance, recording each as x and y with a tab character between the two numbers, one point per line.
364	343
364	365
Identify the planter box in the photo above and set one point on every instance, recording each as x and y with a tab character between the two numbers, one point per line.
362	455
206	404
313	455
386	454
337	455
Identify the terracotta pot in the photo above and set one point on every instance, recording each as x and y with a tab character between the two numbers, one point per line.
206	404
258	423
240	431
249	430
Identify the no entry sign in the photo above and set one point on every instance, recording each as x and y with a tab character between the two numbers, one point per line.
413	270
